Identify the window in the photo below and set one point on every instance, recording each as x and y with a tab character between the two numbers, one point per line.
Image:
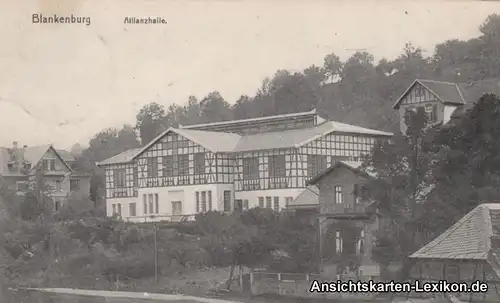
114	208
183	165
197	202
261	202
360	244
357	193
52	165
119	209
151	203
46	165
58	185
250	168
431	112
269	202
157	203
22	185
145	204
152	167
74	185
339	195
276	203
119	177
209	194
132	209
203	201
176	208
199	163
227	200
245	204
276	166
315	164
57	205
168	166
338	242
288	200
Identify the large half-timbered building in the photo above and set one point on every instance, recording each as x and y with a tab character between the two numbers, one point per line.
231	165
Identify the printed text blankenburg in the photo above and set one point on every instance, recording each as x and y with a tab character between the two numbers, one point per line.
56	19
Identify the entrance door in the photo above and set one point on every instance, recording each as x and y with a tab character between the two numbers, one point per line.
238	205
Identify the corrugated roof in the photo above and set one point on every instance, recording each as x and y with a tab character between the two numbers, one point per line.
469	238
125	157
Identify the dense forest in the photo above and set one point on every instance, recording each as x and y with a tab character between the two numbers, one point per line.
40	249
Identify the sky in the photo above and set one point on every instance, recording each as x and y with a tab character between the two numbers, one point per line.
63	83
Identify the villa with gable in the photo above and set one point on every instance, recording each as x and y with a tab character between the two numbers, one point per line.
229	166
442	101
19	167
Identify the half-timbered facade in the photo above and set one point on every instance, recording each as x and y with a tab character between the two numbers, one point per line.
227	166
442	101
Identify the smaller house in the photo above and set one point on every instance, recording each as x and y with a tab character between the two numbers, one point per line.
442	101
347	223
468	251
20	169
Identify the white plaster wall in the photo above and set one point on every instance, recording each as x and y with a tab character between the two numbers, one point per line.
253	196
448	111
124	202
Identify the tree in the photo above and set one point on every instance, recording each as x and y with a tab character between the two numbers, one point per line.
403	167
214	108
149	121
467	169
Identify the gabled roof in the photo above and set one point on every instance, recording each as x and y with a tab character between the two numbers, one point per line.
446	92
122	158
469	238
31	154
213	141
66	155
353	166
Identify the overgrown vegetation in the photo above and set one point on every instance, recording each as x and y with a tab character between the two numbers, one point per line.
76	247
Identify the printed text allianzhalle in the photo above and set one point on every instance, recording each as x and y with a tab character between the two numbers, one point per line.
144	20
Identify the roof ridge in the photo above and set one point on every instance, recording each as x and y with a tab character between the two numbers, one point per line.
311	112
436	81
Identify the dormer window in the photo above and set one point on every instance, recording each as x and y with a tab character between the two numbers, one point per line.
27	165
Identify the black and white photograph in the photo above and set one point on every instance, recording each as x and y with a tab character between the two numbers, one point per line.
250	151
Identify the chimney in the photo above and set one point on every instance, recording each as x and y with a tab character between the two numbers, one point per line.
14	144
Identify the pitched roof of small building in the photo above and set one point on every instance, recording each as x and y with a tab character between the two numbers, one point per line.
354	166
465	94
469	238
309	197
124	157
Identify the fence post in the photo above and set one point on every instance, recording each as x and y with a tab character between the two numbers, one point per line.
251	283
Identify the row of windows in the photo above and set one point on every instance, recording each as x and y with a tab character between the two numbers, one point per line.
270	203
176	165
203	201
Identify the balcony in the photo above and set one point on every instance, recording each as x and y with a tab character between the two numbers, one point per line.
345	211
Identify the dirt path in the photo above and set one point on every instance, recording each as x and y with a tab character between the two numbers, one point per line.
129	295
